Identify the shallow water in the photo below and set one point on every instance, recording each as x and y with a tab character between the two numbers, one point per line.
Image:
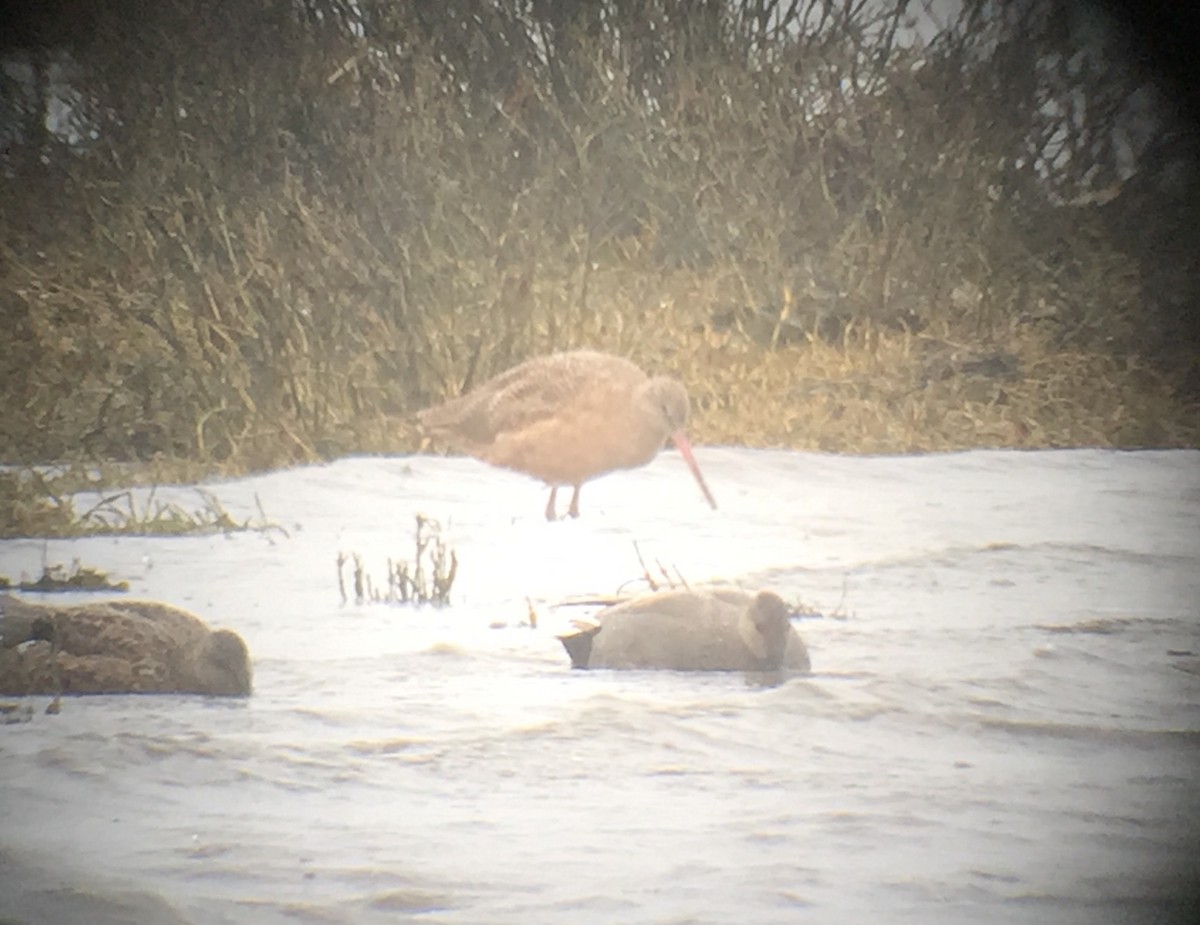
1003	723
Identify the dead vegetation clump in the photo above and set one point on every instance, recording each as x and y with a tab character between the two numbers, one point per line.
290	231
59	577
425	579
37	503
660	577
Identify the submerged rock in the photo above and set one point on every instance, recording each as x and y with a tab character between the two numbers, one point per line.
718	629
116	647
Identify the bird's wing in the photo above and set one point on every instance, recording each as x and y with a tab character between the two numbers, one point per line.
525	400
511	401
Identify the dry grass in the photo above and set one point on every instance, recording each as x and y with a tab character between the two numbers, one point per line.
877	390
892	392
42	503
276	256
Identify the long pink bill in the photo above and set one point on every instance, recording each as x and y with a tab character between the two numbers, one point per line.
685	449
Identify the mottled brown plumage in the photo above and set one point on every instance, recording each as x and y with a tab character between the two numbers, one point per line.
116	647
567	418
716	629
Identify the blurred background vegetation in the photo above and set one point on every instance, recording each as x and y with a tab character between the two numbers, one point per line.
263	232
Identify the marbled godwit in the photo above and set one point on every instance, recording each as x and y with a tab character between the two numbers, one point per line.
567	418
721	629
117	647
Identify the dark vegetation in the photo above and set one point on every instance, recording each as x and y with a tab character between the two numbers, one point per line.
39	503
59	577
286	224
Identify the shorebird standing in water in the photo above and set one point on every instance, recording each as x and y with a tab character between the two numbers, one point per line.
567	418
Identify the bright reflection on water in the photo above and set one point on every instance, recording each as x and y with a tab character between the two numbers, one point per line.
1003	724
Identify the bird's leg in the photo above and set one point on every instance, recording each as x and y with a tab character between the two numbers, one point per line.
574	510
550	512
